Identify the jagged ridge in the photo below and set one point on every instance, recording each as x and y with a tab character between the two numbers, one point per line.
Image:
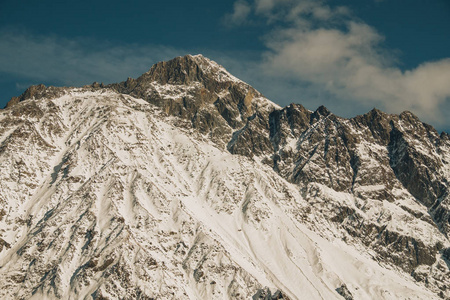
378	181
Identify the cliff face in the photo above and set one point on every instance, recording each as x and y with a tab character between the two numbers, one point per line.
188	183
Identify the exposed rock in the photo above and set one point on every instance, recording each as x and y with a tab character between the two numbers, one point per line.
378	123
446	254
266	294
201	91
110	196
4	244
344	292
37	92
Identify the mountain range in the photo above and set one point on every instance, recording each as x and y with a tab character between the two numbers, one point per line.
187	183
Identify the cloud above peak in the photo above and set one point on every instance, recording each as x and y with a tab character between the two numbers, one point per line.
284	11
322	47
241	11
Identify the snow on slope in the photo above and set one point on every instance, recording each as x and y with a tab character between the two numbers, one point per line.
120	201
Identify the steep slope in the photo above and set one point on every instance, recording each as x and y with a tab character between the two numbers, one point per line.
394	167
135	189
203	92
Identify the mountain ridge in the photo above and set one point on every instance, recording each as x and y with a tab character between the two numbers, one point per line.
40	90
376	182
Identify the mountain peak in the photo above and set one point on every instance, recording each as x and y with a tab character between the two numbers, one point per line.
188	184
37	92
199	90
323	110
187	69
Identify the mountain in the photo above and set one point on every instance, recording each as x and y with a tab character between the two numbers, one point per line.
187	183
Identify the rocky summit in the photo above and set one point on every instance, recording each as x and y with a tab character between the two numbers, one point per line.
187	183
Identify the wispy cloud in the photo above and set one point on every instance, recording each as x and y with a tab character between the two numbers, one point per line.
239	16
325	48
297	12
77	61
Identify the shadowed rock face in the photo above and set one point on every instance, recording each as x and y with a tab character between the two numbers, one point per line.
364	176
321	147
371	157
414	158
378	123
344	292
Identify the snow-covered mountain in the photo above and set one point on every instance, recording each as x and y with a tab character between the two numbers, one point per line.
187	183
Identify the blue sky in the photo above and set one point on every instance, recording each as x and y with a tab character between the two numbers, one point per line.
349	55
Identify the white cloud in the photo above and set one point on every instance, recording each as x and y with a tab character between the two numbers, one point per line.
263	6
323	48
297	11
241	11
352	66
